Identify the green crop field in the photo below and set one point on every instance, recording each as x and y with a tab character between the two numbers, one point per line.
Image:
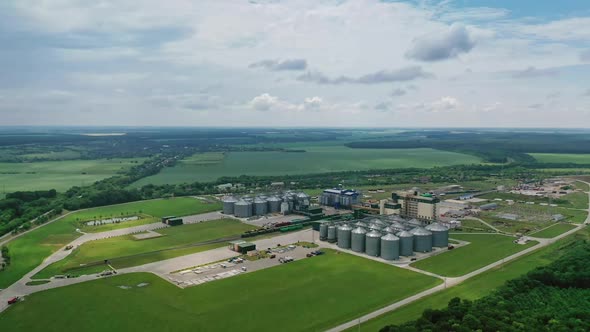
306	295
476	287
316	159
59	175
115	248
484	249
553	231
30	249
562	158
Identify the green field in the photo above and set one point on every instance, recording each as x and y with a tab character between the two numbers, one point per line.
476	287
483	250
29	250
316	159
59	175
306	295
149	250
561	158
553	231
149	211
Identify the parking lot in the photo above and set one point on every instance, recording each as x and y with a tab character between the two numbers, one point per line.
222	270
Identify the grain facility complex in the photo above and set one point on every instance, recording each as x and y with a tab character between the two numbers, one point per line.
388	237
285	203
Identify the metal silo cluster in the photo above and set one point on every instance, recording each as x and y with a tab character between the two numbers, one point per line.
388	238
243	209
262	205
228	204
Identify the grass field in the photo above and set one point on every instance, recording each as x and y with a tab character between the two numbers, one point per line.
476	287
306	295
576	200
581	185
120	246
316	159
148	210
562	158
59	175
553	231
30	249
484	249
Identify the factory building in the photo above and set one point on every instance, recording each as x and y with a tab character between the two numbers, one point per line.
340	198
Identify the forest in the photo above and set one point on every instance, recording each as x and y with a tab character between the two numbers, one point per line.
555	297
497	147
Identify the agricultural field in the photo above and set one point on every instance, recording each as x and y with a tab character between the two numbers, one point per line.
473	225
553	231
327	290
119	249
31	249
476	287
483	249
59	175
561	158
315	159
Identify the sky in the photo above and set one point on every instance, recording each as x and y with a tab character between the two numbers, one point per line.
327	63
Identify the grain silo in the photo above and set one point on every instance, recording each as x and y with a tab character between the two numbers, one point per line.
406	243
390	247
323	231
285	208
357	242
361	224
422	239
344	236
389	229
274	204
375	227
373	243
376	221
332	233
440	235
243	209
228	205
397	225
260	206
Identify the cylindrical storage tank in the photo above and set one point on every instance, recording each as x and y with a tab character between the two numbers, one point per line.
377	221
274	204
373	243
323	231
396	225
332	233
440	235
357	242
422	239
406	243
344	236
361	224
285	208
389	229
389	247
228	205
243	209
260	206
375	227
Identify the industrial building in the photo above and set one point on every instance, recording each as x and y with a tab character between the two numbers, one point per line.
285	203
340	198
386	237
412	204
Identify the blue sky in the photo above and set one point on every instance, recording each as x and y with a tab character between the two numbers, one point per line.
518	63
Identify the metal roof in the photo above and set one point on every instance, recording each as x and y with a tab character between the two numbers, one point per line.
374	233
359	230
242	202
436	227
420	231
389	237
404	234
